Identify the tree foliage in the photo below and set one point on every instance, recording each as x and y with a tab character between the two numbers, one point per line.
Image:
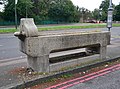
9	12
55	10
117	13
63	10
96	14
85	14
104	7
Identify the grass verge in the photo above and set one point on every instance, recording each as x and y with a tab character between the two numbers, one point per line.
61	27
71	27
7	30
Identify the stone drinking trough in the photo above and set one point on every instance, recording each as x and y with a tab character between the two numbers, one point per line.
38	47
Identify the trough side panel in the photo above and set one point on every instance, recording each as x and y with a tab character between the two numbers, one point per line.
72	41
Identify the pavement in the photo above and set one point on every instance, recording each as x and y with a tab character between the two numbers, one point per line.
11	69
107	81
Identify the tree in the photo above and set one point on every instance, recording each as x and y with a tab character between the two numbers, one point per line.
1	13
24	9
96	14
63	10
104	7
85	14
1	16
117	13
40	10
9	12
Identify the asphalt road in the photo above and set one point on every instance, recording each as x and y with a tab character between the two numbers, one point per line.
9	45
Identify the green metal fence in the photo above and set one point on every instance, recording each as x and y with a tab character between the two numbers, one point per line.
8	23
49	22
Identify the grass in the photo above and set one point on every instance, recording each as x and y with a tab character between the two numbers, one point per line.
7	30
116	25
71	27
61	27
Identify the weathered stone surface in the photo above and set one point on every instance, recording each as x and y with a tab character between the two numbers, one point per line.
27	28
38	46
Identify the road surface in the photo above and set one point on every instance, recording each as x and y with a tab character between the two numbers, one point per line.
9	47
